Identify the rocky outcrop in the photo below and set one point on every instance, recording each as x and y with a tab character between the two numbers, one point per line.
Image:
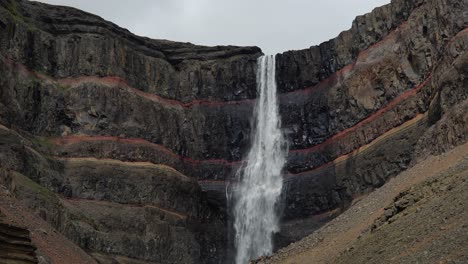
356	127
308	67
376	77
35	209
413	236
142	211
65	42
16	246
101	124
419	215
166	79
64	75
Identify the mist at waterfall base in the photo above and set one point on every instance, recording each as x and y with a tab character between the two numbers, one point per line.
259	180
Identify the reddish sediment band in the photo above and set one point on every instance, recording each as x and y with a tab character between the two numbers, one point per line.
68	140
334	77
114	81
345	156
405	95
288	175
217	183
370	118
74	200
118	82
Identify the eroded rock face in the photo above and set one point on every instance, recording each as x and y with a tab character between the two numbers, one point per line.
64	42
16	244
68	73
352	105
113	209
104	121
398	53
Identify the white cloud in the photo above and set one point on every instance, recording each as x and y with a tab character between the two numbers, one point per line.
273	25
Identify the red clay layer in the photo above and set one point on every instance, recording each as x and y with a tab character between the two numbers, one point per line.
115	81
368	119
289	175
372	117
341	134
394	102
84	138
120	82
330	81
334	77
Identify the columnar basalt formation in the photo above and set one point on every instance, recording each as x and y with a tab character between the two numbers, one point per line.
383	88
98	124
16	246
71	77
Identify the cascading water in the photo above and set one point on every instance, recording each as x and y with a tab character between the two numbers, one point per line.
259	179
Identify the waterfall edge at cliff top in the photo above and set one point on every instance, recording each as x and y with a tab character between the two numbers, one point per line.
260	181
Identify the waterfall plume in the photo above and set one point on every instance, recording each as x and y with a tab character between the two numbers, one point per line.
260	182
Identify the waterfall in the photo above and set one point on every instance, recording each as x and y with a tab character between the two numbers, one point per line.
259	179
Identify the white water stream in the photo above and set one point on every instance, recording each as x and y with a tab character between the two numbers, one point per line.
259	179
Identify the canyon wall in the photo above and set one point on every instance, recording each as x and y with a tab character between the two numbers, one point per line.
105	134
16	244
357	106
125	144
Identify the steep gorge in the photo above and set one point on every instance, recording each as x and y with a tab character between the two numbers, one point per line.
124	144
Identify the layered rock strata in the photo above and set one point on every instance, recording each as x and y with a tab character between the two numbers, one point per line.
111	125
64	73
140	211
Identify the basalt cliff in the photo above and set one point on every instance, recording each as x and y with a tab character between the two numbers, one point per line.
116	148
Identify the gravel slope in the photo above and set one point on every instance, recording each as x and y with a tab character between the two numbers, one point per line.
436	225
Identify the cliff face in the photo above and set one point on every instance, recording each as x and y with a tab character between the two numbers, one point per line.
124	144
16	244
114	127
357	105
172	83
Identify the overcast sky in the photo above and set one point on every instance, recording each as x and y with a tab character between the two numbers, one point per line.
273	25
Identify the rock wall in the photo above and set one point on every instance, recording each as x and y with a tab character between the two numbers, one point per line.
345	128
112	209
131	141
174	84
117	128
